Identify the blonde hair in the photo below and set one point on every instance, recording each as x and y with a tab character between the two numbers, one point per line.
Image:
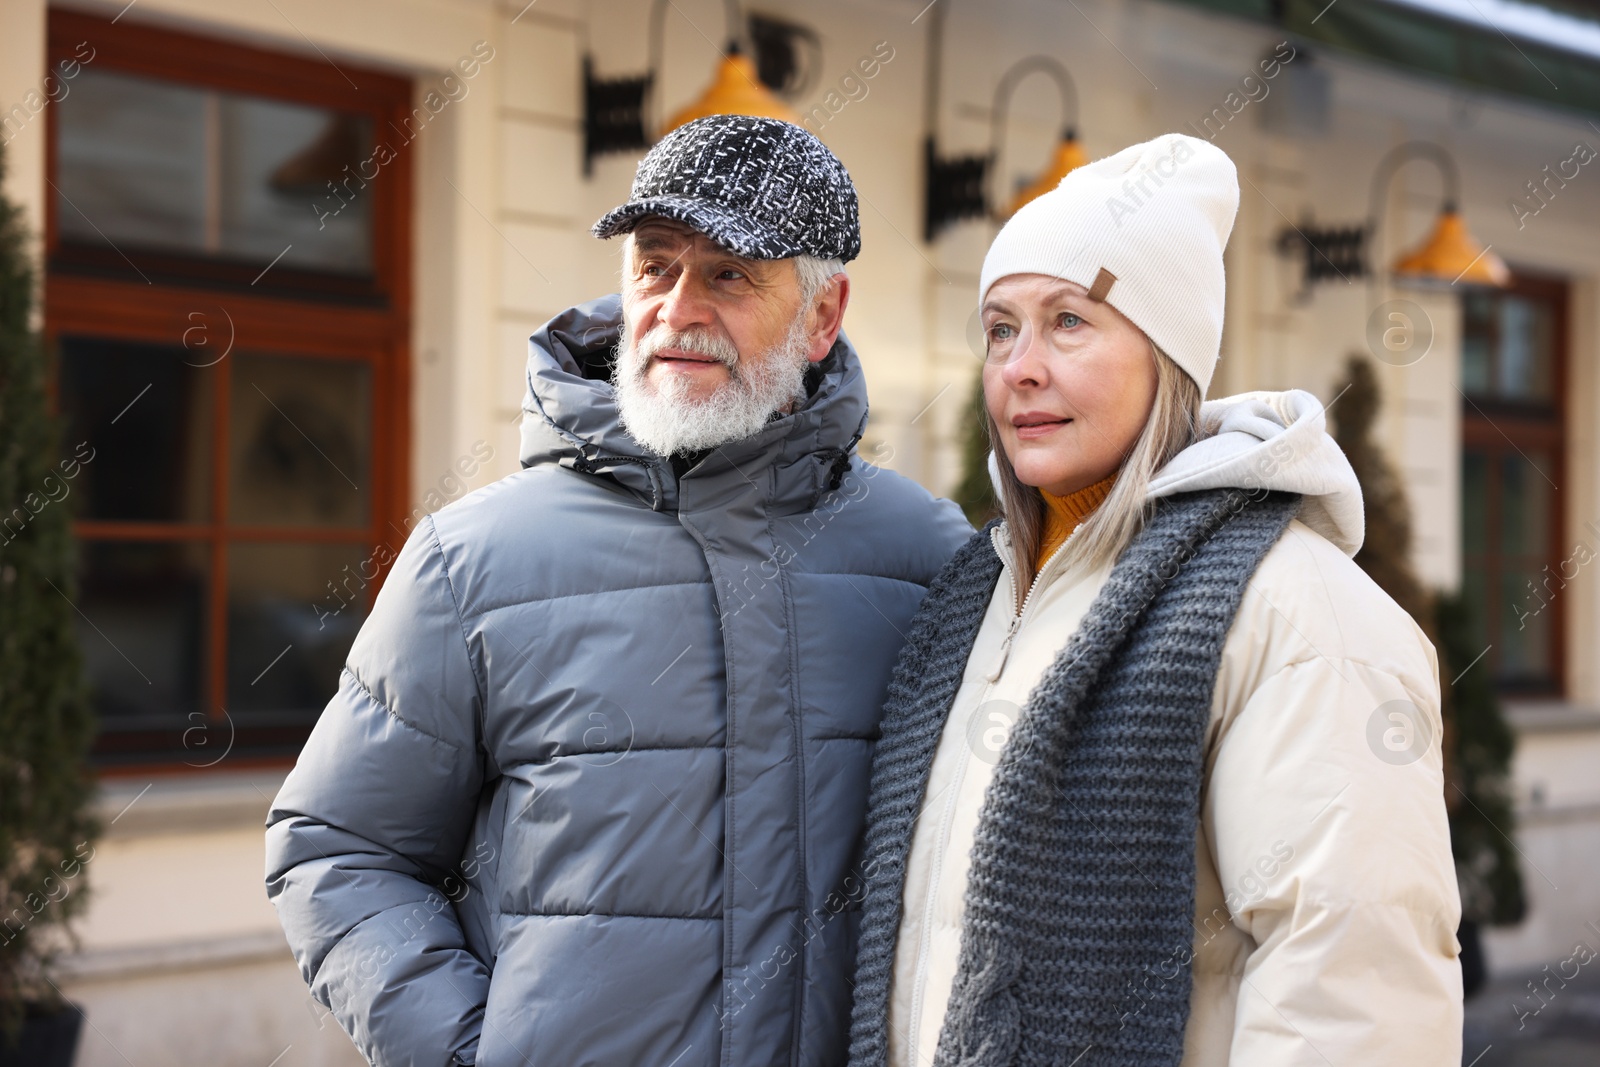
1173	425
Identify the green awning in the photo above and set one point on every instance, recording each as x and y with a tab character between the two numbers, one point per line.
1425	43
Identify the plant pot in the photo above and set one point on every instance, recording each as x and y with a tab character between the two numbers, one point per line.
49	1037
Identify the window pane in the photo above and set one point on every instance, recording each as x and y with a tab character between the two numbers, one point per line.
146	411
1525	630
293	611
1477	335
300	442
1525	505
1474	503
132	162
280	166
1475	592
146	163
1526	336
142	631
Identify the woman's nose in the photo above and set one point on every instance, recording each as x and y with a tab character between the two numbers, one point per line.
1024	365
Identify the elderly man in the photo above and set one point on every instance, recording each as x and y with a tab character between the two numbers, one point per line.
592	786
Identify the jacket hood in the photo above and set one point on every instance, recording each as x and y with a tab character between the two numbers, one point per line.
1267	440
571	417
1273	440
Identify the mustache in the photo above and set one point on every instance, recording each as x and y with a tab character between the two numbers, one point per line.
701	341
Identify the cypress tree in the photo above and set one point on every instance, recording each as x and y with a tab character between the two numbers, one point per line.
974	492
46	825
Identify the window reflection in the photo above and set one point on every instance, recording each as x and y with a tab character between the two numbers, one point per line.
153	164
299	442
1508	348
293	612
147	413
142	630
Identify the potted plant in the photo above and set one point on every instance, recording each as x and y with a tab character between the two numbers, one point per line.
46	822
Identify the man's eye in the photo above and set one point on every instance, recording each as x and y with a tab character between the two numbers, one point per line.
652	270
1068	320
730	275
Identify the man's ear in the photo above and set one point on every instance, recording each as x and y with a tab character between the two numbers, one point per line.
827	316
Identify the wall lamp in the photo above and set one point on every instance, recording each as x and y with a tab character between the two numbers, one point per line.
955	187
1449	256
614	108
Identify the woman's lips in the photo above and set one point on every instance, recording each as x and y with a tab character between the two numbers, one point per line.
1032	425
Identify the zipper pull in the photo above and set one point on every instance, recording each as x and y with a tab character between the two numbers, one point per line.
1005	649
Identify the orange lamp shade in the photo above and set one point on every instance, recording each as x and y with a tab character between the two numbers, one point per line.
1068	158
736	90
1452	254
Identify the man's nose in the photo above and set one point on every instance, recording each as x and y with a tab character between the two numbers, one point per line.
687	304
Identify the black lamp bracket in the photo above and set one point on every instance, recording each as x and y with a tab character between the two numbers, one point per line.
1328	253
954	188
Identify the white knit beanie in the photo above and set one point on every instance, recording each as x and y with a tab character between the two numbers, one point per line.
1142	230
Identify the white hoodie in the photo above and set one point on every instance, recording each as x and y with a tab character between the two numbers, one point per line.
1326	902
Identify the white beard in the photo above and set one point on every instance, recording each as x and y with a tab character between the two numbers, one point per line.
660	414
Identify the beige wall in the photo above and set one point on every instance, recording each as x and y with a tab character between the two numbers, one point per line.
181	958
912	302
22	71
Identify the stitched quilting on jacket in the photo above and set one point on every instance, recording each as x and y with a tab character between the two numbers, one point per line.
586	700
1318	850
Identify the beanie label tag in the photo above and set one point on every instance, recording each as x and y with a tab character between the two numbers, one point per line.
1102	285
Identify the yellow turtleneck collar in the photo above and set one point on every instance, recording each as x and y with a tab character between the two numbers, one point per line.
1063	514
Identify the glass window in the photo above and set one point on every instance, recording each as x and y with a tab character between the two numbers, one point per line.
231	500
147	163
293	612
300	442
295	454
147	412
142	630
1511	462
1508	348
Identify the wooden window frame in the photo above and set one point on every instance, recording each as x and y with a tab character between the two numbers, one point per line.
1501	427
369	320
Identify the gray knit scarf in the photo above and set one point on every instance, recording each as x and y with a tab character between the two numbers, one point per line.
1079	909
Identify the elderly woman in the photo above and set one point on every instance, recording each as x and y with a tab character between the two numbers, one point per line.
1159	780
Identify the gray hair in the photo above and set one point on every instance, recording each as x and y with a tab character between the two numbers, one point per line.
814	275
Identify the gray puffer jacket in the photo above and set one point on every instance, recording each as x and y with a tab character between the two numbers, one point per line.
593	783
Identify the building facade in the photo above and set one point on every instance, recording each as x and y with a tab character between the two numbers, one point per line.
292	253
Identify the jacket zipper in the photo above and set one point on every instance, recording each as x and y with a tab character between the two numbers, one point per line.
953	789
1016	620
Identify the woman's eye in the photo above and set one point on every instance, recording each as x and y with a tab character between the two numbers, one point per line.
1068	320
1000	331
